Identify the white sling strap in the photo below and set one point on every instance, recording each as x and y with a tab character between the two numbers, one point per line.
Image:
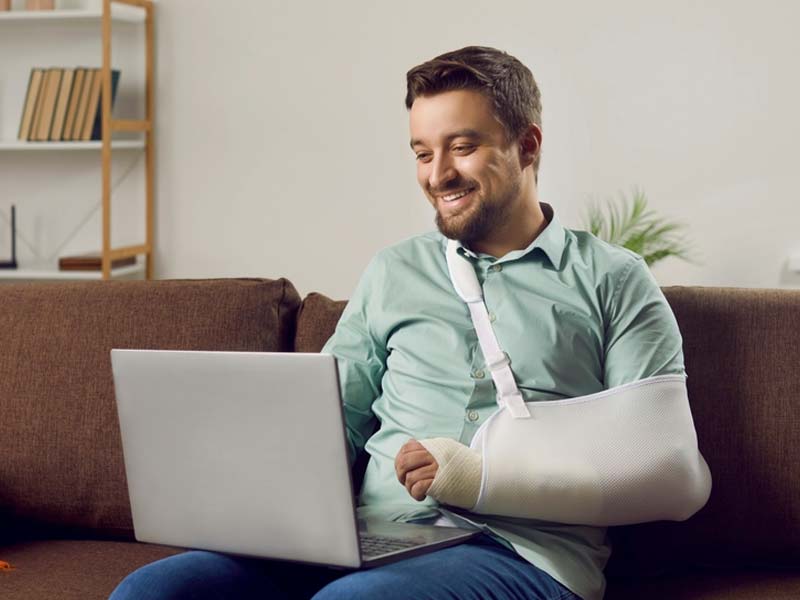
469	289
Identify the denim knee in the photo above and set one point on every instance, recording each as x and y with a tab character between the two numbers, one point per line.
196	574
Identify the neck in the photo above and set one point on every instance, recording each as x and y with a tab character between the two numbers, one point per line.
524	225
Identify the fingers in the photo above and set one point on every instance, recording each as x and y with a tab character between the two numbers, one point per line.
410	460
408	447
418	481
415	468
399	459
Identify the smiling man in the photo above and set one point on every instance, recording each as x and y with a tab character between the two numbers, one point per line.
575	315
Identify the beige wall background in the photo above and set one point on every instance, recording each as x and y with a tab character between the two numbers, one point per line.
282	142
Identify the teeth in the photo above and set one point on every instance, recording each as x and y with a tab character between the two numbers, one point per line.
456	196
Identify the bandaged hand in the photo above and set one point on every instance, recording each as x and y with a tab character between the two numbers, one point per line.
457	481
415	468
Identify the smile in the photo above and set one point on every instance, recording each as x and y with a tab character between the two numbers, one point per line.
456	195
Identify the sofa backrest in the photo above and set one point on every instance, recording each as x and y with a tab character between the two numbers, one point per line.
742	356
316	321
743	364
56	387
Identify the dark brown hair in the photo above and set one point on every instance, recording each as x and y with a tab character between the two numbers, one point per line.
496	74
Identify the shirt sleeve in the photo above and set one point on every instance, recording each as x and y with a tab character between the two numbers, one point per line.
361	360
642	336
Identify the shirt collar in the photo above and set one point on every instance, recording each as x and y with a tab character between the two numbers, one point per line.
551	241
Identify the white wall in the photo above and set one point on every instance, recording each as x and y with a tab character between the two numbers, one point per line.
283	137
282	142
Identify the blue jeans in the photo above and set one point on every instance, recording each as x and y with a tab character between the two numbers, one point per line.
481	569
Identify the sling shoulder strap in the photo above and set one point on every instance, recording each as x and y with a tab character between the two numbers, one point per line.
469	290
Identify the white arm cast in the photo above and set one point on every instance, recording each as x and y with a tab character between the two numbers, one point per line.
458	479
627	455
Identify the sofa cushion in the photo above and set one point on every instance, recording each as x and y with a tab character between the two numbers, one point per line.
72	570
316	321
60	450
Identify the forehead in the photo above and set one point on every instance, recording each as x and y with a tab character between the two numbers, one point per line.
436	118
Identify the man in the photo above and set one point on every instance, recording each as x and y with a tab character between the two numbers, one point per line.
575	315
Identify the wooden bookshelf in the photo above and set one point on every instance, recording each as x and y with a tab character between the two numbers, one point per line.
124	11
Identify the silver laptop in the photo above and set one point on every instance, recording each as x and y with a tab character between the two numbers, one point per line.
246	453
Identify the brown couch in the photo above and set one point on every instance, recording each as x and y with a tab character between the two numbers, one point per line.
65	521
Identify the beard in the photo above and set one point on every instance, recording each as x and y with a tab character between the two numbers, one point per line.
477	222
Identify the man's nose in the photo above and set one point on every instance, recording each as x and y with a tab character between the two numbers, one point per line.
443	171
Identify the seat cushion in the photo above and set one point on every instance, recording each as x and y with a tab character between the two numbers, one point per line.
72	570
748	585
60	448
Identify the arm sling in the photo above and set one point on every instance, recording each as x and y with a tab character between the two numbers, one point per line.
621	456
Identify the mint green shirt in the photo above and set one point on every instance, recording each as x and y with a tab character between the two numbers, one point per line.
576	316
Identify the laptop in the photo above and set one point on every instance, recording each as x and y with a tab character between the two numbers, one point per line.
246	453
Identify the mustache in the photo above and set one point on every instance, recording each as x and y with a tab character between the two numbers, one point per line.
452	187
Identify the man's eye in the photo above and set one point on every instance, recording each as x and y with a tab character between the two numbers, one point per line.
463	148
423	157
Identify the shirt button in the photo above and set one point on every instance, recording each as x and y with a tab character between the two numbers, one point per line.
492	317
496	268
473	415
479	374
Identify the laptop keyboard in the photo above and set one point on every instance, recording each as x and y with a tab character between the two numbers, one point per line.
376	545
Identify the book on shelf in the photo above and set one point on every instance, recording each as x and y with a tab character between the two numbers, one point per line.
34	85
39	4
65	104
74	98
91	261
49	104
61	105
83	105
97	127
91	107
37	110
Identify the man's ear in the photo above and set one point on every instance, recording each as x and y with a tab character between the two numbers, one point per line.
530	144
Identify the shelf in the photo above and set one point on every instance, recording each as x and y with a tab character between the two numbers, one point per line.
115	144
135	134
44	274
121	14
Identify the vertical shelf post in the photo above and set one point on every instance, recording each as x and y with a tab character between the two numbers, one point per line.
106	135
149	141
110	125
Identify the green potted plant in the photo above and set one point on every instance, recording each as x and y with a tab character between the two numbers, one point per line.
631	224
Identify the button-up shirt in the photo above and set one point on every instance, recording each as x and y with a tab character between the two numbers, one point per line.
574	314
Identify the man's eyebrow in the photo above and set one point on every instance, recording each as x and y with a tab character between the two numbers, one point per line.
468	133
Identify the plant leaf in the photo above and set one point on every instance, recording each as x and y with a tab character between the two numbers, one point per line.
631	224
